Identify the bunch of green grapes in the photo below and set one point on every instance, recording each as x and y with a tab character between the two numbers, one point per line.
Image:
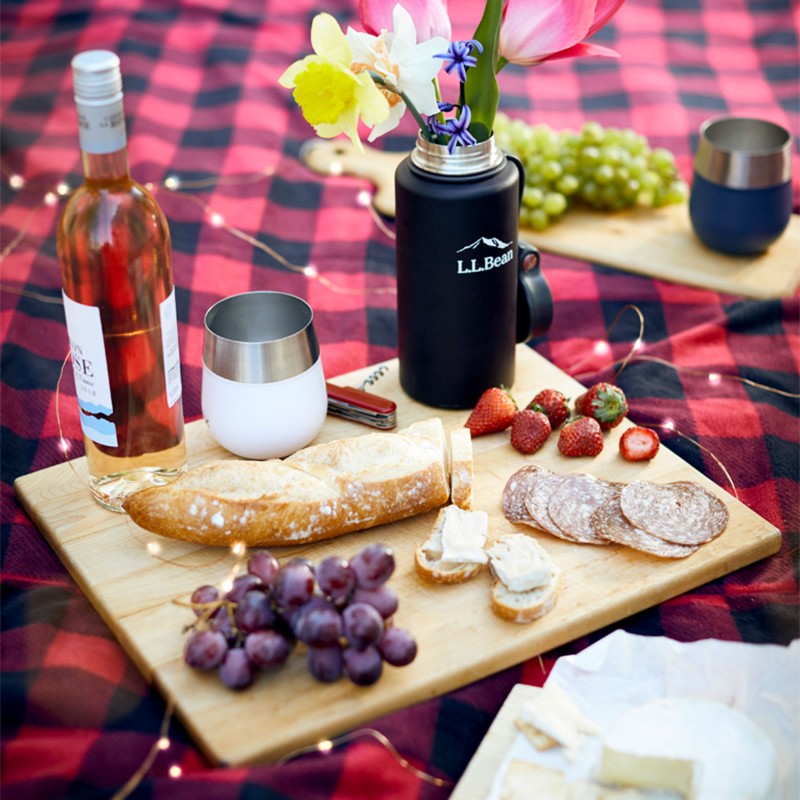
605	168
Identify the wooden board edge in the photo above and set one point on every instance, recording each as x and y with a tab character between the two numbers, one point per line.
479	775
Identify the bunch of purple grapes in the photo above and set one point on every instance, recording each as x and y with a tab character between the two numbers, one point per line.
340	610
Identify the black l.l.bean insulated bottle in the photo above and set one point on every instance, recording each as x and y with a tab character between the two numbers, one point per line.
459	274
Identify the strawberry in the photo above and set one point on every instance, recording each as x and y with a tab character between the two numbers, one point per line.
529	430
605	402
554	404
494	411
581	437
639	444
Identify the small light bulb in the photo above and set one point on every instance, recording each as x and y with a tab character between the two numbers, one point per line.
239	548
63	189
364	198
325	746
310	271
172	182
175	771
714	378
227	586
154	548
669	424
51	198
336	168
63	445
602	348
163	743
16	181
216	220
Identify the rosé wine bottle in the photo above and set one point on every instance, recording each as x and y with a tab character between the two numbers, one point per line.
119	302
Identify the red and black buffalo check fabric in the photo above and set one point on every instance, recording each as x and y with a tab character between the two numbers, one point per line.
203	105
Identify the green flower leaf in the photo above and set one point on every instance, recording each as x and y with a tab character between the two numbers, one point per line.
481	92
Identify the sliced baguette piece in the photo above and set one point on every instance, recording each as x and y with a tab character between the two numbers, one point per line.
320	492
461	468
431	560
523	606
526	578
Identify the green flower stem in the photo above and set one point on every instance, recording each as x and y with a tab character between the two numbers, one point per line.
411	107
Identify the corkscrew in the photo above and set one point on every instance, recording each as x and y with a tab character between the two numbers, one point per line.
362	406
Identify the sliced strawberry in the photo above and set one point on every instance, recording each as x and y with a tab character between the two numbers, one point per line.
639	444
605	402
494	411
554	404
581	437
529	430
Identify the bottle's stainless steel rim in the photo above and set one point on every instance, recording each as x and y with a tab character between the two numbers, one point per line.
466	160
260	337
744	153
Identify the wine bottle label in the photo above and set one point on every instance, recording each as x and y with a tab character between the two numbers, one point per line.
169	339
101	128
92	385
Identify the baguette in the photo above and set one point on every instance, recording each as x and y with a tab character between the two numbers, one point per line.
320	492
430	560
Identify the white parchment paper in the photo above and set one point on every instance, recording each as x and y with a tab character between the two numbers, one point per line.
624	670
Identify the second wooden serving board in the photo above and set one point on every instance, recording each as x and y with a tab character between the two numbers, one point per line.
656	242
133	578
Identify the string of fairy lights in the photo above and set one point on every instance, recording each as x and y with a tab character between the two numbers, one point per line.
601	349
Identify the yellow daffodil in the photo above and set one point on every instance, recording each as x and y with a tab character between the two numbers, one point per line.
331	96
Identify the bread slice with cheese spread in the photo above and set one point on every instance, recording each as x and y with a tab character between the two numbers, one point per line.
526	579
455	550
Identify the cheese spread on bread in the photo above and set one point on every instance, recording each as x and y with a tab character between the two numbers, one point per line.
520	563
464	535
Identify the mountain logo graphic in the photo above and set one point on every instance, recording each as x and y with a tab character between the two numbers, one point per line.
493	242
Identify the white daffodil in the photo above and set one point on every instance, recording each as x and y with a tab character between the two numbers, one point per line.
402	64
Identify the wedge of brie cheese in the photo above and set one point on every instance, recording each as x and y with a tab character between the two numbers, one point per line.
520	562
464	536
698	748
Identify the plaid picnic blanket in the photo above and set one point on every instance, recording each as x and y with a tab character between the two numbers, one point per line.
204	107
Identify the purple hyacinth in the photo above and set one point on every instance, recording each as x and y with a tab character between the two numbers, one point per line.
434	125
459	57
458	131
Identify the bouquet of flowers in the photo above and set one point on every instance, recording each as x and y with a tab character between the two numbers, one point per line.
375	75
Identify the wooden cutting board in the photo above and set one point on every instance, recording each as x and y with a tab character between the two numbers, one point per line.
132	577
658	242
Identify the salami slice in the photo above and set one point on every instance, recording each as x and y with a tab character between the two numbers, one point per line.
610	523
539	493
573	503
682	512
516	490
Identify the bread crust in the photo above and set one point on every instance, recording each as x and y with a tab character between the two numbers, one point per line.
523	607
461	468
318	493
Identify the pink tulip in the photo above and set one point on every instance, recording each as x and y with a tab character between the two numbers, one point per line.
533	31
430	16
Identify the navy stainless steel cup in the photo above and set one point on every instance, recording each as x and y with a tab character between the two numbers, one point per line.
741	197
